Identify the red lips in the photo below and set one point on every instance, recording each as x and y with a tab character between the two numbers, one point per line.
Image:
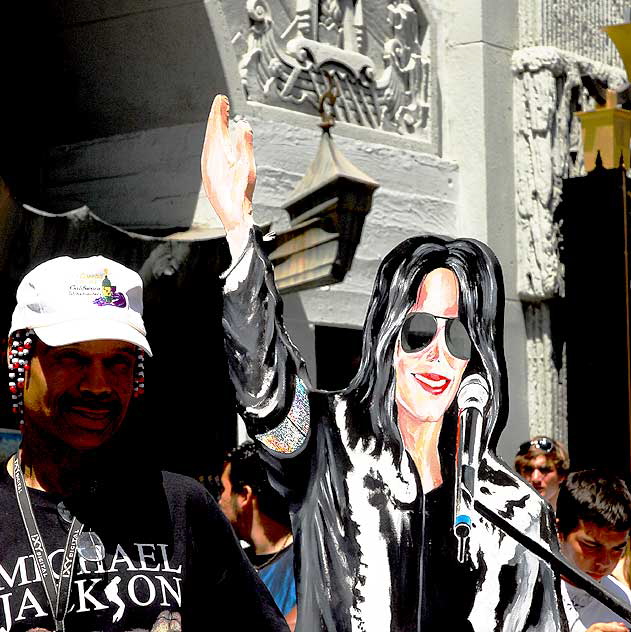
433	383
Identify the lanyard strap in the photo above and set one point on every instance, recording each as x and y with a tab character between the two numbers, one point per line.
57	593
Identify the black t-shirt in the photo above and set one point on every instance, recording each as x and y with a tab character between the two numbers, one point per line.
449	586
172	562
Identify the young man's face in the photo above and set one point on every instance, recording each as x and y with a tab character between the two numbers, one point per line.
227	498
231	502
80	393
543	476
593	549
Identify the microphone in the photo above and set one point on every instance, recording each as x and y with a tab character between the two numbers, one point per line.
473	396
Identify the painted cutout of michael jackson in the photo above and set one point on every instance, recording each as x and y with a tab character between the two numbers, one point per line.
372	473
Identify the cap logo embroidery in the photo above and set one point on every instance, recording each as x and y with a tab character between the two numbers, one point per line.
109	295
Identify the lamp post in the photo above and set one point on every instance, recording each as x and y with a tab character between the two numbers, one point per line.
327	210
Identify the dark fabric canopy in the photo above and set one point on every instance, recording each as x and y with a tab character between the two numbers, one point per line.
188	418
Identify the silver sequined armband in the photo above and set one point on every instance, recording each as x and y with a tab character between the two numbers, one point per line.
291	434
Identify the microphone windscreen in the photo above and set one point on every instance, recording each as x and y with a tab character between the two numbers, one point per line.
473	392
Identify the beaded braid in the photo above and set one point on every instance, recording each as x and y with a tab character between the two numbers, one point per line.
139	374
23	341
19	365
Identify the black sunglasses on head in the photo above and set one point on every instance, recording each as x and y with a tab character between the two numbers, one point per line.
542	443
419	329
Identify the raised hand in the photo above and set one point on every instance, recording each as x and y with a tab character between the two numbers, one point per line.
229	172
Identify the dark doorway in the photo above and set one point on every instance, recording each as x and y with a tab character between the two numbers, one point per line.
595	228
338	352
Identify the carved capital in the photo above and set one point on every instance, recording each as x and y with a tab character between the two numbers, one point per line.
548	89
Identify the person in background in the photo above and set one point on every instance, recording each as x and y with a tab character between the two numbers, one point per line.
545	464
260	517
594	520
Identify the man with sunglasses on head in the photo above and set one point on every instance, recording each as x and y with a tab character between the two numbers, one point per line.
93	536
545	464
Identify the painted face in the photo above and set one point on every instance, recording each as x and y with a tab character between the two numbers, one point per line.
80	393
594	550
427	380
543	476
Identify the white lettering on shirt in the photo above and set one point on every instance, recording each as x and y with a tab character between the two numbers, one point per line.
121	556
85	596
151	556
165	559
28	602
131	589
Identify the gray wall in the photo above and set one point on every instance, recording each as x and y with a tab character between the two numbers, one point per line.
134	65
140	75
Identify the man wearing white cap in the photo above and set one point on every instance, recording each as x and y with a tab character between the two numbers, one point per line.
89	541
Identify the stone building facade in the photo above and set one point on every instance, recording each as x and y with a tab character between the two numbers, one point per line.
560	44
460	109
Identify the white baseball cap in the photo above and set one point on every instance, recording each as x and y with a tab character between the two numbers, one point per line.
68	300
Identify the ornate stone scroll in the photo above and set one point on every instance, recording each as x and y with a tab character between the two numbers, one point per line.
379	55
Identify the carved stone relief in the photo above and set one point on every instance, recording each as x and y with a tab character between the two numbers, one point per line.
378	55
547	91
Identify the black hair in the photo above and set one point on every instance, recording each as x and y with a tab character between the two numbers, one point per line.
248	469
595	496
481	303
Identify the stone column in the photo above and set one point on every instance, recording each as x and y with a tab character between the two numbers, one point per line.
476	87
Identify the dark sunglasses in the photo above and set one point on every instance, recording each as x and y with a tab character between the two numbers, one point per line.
543	443
419	329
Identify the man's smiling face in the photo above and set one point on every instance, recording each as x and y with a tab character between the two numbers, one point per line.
80	393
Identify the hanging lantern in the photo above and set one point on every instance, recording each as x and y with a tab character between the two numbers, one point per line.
327	210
